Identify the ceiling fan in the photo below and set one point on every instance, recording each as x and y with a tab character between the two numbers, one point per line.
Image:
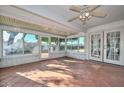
86	12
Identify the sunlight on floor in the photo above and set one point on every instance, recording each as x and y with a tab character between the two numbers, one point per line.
49	78
70	61
96	66
56	66
65	68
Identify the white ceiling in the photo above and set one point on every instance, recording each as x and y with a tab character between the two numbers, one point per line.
61	14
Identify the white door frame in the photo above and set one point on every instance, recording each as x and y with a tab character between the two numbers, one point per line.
105	47
103	59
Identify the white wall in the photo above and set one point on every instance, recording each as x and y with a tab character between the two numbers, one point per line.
27	58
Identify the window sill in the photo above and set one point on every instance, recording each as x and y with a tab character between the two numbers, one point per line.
57	52
76	52
17	56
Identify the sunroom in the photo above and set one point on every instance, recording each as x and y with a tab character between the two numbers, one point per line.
61	45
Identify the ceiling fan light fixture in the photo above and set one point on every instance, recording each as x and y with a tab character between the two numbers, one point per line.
87	14
81	17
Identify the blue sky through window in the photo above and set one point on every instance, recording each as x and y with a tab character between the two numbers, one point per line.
30	38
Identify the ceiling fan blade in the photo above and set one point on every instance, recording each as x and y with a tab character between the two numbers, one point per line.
74	18
92	8
75	8
99	14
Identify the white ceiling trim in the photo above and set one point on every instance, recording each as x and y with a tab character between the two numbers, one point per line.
22	24
46	18
16	13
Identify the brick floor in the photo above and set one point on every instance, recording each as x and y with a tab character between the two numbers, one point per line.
61	72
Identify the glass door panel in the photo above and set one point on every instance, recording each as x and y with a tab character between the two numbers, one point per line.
113	46
107	51
96	46
44	47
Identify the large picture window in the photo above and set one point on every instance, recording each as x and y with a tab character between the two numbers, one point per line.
81	44
54	44
76	44
31	44
12	43
15	43
61	44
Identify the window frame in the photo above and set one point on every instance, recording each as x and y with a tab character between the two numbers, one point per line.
16	55
24	45
78	47
84	44
40	53
64	44
57	46
39	43
70	44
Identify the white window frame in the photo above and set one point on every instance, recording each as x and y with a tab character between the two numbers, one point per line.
17	55
59	44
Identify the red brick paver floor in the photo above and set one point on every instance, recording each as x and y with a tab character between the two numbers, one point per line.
61	72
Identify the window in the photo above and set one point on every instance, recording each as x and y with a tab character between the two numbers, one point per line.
75	44
31	44
54	44
81	44
12	43
61	44
69	44
44	47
